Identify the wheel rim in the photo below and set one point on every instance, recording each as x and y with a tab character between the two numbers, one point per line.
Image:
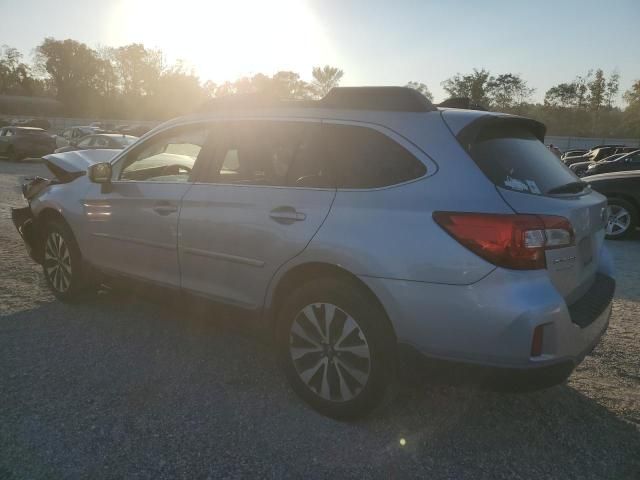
330	352
57	262
618	220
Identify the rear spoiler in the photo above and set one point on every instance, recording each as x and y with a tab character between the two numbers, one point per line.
468	135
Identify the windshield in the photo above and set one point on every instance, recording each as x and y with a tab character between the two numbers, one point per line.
513	158
126	140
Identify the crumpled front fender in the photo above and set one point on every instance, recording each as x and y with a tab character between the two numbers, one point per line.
25	224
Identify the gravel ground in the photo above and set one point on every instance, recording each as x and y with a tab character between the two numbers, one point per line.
122	387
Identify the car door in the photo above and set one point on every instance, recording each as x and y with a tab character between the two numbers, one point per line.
258	205
133	226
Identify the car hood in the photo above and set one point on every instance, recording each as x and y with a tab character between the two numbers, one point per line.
78	160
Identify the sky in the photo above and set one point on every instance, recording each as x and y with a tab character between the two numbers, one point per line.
374	42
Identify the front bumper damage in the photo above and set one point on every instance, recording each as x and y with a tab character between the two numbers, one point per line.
26	226
24	220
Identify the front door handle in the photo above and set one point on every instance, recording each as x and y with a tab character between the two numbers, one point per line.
165	208
286	215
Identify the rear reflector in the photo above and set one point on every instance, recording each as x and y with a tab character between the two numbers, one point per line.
536	341
511	241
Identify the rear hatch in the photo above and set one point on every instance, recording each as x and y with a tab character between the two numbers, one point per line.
510	152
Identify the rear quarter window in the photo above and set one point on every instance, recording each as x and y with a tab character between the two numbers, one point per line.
366	158
515	159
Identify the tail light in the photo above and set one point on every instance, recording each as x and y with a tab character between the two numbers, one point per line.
512	241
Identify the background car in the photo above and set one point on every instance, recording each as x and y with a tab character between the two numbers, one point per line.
102	140
72	134
630	161
580	168
573	153
17	143
622	190
598	153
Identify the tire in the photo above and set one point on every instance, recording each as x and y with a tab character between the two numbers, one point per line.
63	268
336	348
622	219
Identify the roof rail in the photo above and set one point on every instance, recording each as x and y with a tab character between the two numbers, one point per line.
398	99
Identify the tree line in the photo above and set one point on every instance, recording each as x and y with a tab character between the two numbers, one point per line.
136	82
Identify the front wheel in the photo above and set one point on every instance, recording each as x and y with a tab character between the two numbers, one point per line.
336	348
622	219
62	263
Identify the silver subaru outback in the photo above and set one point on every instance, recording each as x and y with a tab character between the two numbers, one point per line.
356	227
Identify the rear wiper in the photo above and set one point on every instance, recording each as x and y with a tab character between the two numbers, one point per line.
571	187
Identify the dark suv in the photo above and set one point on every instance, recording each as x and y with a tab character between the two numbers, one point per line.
17	143
621	163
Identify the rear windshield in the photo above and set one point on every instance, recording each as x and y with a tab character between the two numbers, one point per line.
513	158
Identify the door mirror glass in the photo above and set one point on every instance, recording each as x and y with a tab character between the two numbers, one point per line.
100	172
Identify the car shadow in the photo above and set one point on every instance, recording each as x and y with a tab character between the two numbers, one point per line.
119	382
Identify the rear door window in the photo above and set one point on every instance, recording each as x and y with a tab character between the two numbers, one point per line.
273	153
366	158
515	159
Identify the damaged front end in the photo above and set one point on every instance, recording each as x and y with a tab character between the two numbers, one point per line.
24	220
65	167
25	224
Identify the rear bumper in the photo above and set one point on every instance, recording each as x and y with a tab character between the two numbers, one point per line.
24	222
491	323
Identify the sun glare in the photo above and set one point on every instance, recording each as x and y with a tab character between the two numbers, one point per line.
223	40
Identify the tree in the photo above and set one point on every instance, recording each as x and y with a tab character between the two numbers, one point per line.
422	88
73	68
562	95
324	79
13	73
288	85
632	96
613	86
177	92
597	89
631	119
138	69
472	86
506	91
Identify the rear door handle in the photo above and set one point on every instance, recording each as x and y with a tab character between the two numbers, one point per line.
165	208
286	215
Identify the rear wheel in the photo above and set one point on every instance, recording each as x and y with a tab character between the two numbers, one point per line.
622	219
336	348
62	263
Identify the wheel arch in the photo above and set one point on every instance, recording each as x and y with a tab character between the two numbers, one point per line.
302	273
46	215
625	197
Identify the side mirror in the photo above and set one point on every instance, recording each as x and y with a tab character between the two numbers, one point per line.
100	173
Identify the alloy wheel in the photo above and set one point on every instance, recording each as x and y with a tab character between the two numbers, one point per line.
330	352
618	220
57	262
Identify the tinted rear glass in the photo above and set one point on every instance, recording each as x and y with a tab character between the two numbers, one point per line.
515	159
366	158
